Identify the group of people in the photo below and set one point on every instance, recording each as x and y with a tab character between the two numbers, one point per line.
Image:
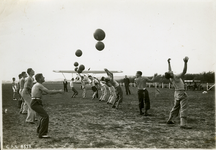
104	84
31	95
29	99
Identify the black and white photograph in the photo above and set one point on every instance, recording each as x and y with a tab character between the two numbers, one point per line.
79	74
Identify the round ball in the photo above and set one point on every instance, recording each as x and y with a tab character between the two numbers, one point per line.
99	34
81	67
78	53
100	46
79	71
76	64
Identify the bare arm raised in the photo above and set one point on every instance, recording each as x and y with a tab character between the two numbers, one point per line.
169	65
110	74
185	67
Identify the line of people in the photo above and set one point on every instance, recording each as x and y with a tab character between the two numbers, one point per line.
31	95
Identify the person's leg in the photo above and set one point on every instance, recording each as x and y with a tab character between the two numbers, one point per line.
94	89
44	121
102	94
184	112
174	112
84	92
31	113
105	94
97	93
126	90
147	102
14	95
140	98
120	97
129	90
25	107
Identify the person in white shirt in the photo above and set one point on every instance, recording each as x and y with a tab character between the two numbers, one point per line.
119	93
94	87
24	106
31	114
180	96
73	88
14	88
103	89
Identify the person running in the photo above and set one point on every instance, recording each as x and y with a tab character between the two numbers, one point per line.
180	96
143	95
65	83
127	84
14	88
36	104
111	82
24	106
73	88
31	115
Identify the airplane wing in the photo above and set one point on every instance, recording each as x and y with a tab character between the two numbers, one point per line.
90	71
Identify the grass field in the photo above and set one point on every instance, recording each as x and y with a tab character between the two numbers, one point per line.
86	123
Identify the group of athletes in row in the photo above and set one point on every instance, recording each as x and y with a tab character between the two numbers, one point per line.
31	95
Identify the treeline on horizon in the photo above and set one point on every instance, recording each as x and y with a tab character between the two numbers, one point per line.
205	77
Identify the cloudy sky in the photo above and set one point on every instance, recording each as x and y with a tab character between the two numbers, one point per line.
140	35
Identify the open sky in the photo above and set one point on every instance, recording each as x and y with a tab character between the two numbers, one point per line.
140	35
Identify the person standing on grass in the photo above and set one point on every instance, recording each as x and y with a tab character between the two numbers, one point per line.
112	96
83	86
118	91
143	95
180	96
103	90
14	88
18	91
73	88
36	104
93	85
24	106
65	83
31	115
127	84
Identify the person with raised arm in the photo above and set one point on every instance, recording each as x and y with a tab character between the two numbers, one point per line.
180	96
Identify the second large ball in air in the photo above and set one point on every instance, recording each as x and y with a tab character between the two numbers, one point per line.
99	46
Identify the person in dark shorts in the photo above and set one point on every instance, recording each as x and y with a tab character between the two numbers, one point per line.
36	104
127	84
143	96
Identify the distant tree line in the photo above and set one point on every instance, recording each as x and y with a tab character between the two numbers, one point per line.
205	77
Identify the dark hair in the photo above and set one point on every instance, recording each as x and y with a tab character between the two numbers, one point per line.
38	76
29	70
102	78
20	76
13	78
72	79
167	75
139	72
107	79
89	76
23	73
